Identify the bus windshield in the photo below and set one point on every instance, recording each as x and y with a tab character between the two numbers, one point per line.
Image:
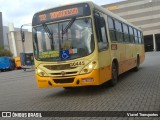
63	40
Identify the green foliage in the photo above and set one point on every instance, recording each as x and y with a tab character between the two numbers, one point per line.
1	47
4	52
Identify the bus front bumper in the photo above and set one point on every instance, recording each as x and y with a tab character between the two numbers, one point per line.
69	81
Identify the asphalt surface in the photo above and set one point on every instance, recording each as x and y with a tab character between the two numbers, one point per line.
135	91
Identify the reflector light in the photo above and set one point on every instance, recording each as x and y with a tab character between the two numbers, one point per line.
87	80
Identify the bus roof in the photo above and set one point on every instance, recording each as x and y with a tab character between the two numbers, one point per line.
94	6
62	12
89	2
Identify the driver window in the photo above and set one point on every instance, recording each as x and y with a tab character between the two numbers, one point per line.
101	32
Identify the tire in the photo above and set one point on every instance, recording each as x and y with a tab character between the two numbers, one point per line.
114	79
137	64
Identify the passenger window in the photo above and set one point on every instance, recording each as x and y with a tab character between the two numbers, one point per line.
126	33
101	33
139	37
131	35
136	36
119	33
142	37
111	29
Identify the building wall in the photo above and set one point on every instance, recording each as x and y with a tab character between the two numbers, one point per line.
5	37
142	13
28	47
1	30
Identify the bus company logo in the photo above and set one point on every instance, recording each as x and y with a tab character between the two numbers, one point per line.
63	73
6	114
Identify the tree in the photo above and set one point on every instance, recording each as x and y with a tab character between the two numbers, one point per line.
4	52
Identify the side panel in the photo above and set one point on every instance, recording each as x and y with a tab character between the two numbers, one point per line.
130	61
104	66
121	49
104	58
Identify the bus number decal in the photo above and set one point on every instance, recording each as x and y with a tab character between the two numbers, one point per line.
74	64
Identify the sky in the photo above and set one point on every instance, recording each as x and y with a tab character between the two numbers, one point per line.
21	12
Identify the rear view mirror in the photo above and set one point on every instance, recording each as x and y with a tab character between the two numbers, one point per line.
101	22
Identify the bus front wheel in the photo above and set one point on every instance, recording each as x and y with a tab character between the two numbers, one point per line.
114	79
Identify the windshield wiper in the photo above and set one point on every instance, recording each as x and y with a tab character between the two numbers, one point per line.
69	25
49	33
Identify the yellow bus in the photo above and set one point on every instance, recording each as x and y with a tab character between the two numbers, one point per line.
83	44
17	62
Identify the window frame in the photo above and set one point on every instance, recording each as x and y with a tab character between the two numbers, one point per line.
119	32
131	35
99	33
127	35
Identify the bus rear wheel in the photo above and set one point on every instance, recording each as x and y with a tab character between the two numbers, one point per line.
114	79
137	64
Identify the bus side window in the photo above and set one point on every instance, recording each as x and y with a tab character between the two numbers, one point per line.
139	37
142	37
136	36
126	33
101	32
119	33
131	35
111	29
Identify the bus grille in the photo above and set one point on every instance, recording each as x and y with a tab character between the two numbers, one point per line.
59	67
65	80
67	73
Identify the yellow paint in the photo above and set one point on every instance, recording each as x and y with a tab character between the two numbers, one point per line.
112	8
17	62
124	53
43	81
99	76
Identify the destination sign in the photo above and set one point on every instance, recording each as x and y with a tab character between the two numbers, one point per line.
60	13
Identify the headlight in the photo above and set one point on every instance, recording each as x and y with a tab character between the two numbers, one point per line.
88	68
40	72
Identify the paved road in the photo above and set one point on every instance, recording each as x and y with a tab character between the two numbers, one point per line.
135	91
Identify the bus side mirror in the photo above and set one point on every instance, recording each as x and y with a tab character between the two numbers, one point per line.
101	22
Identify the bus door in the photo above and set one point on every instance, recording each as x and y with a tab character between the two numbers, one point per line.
102	40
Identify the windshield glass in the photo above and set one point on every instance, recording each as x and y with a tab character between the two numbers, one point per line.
64	40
